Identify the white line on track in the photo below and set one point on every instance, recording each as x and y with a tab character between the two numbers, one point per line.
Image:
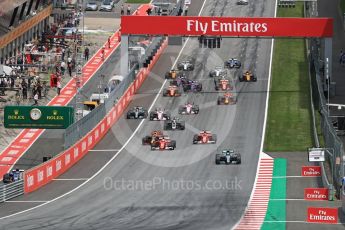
104	150
120	150
26	201
277	177
296	221
72	179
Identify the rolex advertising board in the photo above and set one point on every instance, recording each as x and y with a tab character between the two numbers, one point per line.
38	117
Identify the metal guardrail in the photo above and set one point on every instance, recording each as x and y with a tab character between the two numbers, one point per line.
12	190
80	128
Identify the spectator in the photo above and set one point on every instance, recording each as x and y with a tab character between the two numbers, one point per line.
186	11
58	86
63	54
68	52
128	9
122	10
148	11
343	59
103	53
24	89
63	68
86	53
17	98
109	42
36	99
69	66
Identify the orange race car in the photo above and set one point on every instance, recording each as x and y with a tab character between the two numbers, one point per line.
171	91
173	74
247	76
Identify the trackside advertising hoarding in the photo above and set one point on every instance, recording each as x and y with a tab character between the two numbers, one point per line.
322	215
46	172
316	193
228	26
311	171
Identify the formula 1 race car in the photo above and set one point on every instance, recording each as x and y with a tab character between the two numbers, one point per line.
205	137
218	72
173	74
226	99
174	124
171	91
147	140
14	175
232	63
188	108
228	156
159	115
247	77
179	81
222	83
242	2
192	86
185	65
163	143
137	112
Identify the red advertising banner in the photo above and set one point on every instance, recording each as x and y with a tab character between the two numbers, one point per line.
316	194
311	171
322	215
44	173
228	26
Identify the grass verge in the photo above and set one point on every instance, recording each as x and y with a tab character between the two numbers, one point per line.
289	125
138	1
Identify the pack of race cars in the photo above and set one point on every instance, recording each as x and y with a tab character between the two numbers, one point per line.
179	83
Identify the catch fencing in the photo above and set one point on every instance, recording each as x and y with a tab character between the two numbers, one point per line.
320	92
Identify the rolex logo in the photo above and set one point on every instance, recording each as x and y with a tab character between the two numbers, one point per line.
16	112
55	112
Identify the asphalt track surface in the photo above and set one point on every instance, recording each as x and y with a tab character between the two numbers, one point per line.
180	189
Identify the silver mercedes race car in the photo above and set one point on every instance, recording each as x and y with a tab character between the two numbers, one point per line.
218	72
186	65
137	112
228	156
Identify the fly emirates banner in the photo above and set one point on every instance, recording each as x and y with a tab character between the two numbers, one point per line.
227	26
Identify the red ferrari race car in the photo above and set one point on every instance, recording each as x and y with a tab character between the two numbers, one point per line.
155	135
205	137
171	91
222	83
163	143
226	99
